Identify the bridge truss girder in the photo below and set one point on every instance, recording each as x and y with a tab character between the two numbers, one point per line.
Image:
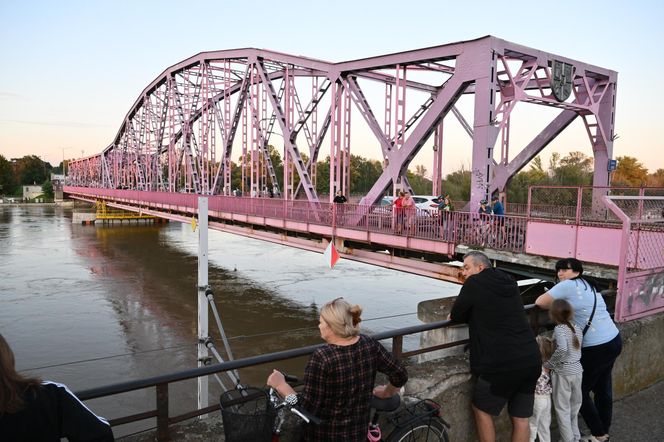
180	134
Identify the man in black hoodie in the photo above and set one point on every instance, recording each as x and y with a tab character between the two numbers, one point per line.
504	357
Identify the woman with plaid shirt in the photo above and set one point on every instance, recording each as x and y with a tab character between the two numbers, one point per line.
339	378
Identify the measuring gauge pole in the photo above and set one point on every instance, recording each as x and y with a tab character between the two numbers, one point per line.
203	356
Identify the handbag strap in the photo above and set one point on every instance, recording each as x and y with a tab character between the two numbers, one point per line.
592	314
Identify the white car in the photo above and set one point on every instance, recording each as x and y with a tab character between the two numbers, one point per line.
426	202
422	202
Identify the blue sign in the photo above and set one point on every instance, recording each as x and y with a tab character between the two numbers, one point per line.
612	165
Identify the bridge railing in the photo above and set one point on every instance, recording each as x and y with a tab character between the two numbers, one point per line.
161	383
581	205
641	250
472	229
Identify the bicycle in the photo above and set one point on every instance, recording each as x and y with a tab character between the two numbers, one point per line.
258	414
420	421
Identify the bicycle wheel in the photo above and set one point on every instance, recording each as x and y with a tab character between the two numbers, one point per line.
429	430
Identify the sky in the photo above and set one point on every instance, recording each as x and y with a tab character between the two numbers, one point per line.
70	70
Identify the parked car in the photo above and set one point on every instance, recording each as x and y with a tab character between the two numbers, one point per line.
426	202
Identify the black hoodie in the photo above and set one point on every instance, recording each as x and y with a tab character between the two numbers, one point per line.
500	338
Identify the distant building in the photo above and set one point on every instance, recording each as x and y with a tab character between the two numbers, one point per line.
30	192
57	180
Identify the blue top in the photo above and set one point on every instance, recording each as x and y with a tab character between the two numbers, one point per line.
498	208
580	295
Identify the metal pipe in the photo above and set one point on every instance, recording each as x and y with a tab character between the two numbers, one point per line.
210	297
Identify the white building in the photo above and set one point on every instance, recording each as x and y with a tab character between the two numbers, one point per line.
30	192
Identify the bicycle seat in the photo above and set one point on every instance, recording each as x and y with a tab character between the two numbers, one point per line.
389	404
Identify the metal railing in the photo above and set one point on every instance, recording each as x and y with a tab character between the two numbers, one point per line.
472	229
162	382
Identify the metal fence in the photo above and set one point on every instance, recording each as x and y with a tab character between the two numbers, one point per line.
472	229
161	383
641	270
580	205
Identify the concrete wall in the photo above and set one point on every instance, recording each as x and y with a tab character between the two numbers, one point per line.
448	380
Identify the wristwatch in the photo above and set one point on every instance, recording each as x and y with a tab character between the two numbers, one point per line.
291	399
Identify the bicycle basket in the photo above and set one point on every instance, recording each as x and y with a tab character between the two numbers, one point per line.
247	415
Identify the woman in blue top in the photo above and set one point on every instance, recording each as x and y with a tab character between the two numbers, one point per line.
601	342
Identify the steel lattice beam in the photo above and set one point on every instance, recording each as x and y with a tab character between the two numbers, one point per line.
181	132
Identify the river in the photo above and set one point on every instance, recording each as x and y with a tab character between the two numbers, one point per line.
95	305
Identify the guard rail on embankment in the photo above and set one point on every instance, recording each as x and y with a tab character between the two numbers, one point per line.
447	381
162	382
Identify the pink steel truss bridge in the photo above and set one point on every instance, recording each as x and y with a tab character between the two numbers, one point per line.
180	133
177	140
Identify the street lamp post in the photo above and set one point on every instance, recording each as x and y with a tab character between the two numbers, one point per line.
64	172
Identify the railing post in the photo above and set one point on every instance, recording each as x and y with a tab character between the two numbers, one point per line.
579	202
530	194
397	346
162	412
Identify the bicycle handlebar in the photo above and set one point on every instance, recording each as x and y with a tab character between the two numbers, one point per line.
305	415
300	412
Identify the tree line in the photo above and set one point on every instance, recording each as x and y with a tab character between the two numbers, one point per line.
573	169
28	170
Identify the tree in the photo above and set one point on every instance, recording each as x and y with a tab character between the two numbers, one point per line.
7	183
363	173
31	170
574	169
420	184
457	184
47	189
656	179
517	188
420	170
629	173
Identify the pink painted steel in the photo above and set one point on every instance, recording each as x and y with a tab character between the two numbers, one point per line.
169	139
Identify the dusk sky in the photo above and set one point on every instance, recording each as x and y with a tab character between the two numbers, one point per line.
72	69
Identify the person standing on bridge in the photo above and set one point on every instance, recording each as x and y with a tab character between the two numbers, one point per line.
504	356
339	198
398	212
409	210
36	410
601	344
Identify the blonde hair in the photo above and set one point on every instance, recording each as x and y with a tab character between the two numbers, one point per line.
545	347
343	320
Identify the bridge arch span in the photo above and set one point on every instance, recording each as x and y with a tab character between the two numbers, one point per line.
186	125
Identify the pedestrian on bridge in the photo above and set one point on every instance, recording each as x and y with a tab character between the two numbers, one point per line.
504	356
601	344
398	212
339	198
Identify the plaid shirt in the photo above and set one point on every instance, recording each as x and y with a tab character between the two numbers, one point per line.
338	385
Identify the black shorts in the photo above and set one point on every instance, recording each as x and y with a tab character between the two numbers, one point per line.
515	388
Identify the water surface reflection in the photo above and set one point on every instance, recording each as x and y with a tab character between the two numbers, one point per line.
90	306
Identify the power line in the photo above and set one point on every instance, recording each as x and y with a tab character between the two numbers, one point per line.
175	347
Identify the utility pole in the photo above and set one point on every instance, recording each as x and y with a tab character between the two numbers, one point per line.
64	169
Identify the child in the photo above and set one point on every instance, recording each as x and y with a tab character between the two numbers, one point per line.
540	421
567	371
